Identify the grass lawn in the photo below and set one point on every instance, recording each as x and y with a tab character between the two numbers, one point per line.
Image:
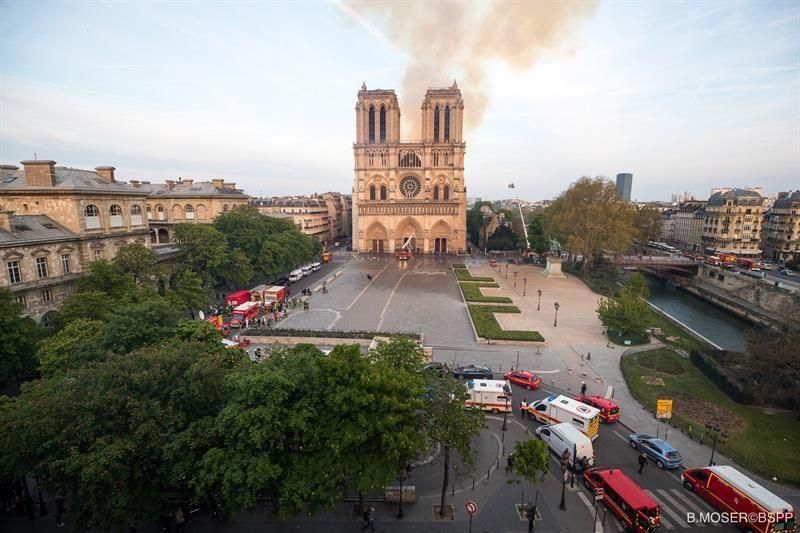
487	326
670	329
462	274
472	293
762	440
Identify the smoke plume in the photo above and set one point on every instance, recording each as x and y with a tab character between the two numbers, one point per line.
446	40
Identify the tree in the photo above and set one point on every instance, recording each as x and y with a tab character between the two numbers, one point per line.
138	324
449	425
203	249
536	236
648	224
188	291
772	367
475	221
84	305
18	337
590	219
503	238
139	261
627	313
80	343
108	278
531	462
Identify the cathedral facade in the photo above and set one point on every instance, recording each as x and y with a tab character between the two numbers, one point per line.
409	194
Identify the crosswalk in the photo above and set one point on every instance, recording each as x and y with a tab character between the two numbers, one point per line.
675	505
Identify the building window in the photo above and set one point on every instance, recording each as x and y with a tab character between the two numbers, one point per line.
435	192
446	192
98	254
384	195
225	208
47	295
149	212
21	300
446	123
383	124
14	272
189	211
371	125
371	192
41	267
136	215
115	211
436	124
91	217
65	263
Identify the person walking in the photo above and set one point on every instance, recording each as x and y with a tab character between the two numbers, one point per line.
583	388
369	519
523	407
60	511
642	461
180	520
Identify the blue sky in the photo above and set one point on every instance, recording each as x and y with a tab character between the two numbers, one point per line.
686	96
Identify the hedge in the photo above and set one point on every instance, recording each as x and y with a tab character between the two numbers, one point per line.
462	274
710	368
324	333
472	293
488	327
458	265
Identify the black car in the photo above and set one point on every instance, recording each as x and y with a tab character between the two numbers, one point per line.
473	372
282	281
435	366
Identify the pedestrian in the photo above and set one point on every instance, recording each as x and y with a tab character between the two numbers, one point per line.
581	358
179	520
642	461
583	388
588	356
369	519
60	511
523	407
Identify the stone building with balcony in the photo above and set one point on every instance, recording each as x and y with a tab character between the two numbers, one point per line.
55	221
781	230
186	201
409	194
732	223
309	213
687	226
340	212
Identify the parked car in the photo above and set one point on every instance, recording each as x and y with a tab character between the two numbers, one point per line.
658	450
787	272
282	281
523	378
473	372
435	366
609	411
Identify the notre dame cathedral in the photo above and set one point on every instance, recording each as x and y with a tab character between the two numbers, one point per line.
409	193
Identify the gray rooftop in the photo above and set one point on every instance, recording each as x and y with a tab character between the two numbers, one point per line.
719	198
786	202
34	228
66	179
185	188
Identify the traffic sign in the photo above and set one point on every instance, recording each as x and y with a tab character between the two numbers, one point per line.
471	507
599	492
664	409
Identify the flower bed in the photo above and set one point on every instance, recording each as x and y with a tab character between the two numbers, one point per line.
488	327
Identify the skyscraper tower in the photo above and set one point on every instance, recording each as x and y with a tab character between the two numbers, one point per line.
624	182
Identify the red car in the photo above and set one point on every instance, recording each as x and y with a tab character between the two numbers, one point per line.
609	411
529	380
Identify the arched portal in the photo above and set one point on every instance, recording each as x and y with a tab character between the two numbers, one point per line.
163	236
376	238
409	233
439	234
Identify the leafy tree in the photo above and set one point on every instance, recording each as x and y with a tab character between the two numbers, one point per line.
648	224
18	338
238	268
189	291
503	238
772	366
531	462
203	249
627	313
448	425
590	219
139	261
108	278
475	221
84	305
139	324
79	344
536	236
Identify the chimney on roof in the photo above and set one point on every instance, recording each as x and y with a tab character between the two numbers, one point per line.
40	173
229	185
135	183
6	218
217	183
145	183
170	184
9	167
106	173
188	180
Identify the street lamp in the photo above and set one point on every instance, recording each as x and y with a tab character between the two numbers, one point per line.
718	432
524	286
555	321
539	305
405	473
564	467
507	390
531	514
506	270
515	279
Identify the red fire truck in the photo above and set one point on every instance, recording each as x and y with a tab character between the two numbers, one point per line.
237	298
243	313
636	510
748	504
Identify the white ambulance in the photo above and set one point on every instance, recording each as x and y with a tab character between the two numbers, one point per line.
555	409
489	395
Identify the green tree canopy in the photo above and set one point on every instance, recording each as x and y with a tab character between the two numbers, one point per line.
139	261
504	238
589	219
18	338
536	235
627	312
203	249
80	343
648	224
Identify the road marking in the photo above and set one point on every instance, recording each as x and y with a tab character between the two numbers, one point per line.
674	476
665	508
598	527
614	431
389	300
375	277
696	508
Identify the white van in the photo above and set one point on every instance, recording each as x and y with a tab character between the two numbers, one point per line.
315	266
295	275
307	270
555	409
489	395
564	436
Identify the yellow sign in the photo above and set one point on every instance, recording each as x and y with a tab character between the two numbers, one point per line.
664	409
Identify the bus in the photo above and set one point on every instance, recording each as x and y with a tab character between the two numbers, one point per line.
555	409
489	395
730	491
636	510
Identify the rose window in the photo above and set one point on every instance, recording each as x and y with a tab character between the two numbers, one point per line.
410	186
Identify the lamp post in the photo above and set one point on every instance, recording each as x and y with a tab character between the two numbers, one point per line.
507	390
506	270
531	514
564	467
718	432
539	305
515	279
555	320
524	286
405	473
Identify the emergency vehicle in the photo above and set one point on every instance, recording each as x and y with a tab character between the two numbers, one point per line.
730	491
555	409
243	313
489	395
257	293
237	298
621	495
276	293
609	411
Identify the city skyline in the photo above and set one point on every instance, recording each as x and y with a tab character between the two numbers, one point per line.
686	99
